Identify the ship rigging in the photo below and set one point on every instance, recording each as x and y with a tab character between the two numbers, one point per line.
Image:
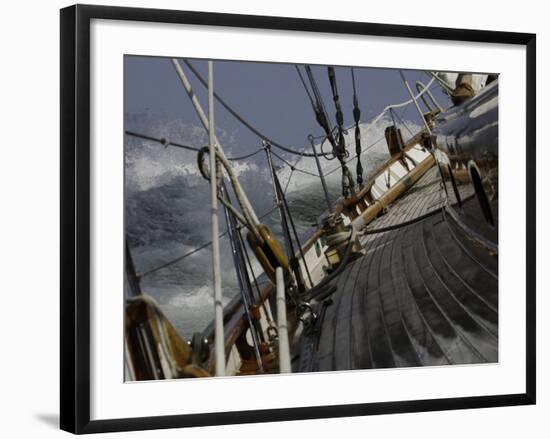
354	295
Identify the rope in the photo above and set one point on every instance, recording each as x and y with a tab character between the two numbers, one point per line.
372	145
419	87
392	117
244	157
293	263
178	259
357	118
404	223
402	121
328	155
243	279
267	312
319	108
340	151
288	181
293	167
375	142
394	106
376	118
338	147
444	85
320	111
305	88
292	225
336	98
241	119
166	143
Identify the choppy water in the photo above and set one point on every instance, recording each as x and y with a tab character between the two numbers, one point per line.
167	212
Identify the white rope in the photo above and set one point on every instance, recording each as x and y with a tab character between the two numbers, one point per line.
444	84
414	99
420	85
402	104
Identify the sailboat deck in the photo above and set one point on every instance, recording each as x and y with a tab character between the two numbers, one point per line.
424	294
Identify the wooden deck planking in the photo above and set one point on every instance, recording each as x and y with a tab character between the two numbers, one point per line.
425	294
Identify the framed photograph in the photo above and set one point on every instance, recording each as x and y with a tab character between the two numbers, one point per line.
268	218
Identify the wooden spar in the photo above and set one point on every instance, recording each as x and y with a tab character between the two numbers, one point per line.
392	194
216	270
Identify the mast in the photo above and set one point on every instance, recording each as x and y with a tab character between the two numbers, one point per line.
218	305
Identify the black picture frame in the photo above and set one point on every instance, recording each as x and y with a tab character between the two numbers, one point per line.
75	217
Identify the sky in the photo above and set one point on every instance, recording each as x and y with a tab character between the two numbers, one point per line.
268	95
